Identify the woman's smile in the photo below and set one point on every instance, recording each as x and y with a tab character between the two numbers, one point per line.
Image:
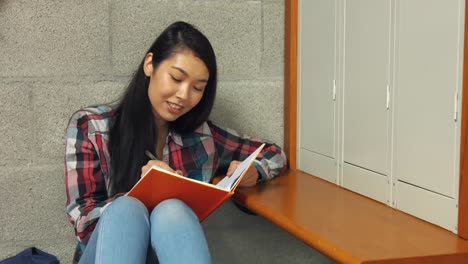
175	108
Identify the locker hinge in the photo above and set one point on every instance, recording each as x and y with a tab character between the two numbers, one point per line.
455	107
334	90
388	96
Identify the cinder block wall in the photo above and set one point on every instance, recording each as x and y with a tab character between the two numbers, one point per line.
58	56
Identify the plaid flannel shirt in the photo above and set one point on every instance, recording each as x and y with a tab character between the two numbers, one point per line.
199	155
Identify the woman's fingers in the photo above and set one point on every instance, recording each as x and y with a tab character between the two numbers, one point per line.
160	164
232	167
250	177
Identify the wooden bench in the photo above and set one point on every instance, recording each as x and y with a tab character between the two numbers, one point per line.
348	227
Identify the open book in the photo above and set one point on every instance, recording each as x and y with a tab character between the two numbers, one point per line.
159	184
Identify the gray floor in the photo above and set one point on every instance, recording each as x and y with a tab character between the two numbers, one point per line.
233	236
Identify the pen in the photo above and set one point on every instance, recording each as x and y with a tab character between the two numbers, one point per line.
151	156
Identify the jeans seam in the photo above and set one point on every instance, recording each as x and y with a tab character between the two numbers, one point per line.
97	257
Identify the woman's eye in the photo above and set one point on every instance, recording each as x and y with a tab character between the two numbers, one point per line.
175	79
198	89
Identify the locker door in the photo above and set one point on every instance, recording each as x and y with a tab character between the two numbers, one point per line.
367	64
426	138
317	63
365	110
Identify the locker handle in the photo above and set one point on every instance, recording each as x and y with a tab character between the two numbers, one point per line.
334	90
388	96
455	107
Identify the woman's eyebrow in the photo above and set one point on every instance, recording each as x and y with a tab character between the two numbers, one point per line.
186	74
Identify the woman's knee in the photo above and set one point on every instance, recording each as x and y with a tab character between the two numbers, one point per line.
126	207
174	225
172	211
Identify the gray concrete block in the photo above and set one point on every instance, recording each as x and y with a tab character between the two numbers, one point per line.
33	204
273	39
233	28
43	38
16	113
251	108
55	102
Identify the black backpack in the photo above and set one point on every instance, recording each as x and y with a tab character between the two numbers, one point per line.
31	255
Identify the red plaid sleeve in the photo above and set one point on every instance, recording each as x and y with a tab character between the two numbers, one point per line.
85	182
231	146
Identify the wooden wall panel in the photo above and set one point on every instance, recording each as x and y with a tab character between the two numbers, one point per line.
463	191
290	82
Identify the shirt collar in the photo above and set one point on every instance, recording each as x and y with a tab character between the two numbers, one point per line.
201	132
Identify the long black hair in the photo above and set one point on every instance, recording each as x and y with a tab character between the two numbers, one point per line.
134	129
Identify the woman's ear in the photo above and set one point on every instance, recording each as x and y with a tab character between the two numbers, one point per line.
148	64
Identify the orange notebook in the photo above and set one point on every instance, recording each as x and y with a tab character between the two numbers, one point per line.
159	184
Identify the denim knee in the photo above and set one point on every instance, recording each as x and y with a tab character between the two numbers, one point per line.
127	207
176	234
121	235
172	211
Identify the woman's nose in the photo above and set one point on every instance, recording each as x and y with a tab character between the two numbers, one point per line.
182	92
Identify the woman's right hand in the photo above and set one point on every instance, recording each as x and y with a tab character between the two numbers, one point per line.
158	163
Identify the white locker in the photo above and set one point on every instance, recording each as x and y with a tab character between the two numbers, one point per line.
428	74
317	96
366	118
366	80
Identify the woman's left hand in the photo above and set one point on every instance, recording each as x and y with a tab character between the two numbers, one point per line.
250	177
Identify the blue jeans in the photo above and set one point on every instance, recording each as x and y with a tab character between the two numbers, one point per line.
124	232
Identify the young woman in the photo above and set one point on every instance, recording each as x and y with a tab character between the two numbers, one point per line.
164	110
